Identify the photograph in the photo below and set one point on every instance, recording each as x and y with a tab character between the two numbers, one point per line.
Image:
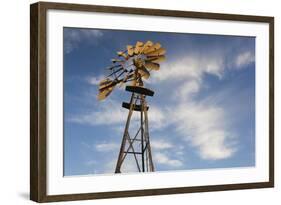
129	101
145	101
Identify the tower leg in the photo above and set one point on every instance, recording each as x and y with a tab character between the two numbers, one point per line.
126	131
149	153
142	136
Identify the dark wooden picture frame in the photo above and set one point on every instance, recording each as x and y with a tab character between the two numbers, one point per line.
38	101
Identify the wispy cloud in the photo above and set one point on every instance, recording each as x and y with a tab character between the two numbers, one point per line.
203	126
107	147
108	113
164	159
189	67
193	66
200	124
95	80
73	37
161	144
129	165
244	59
188	89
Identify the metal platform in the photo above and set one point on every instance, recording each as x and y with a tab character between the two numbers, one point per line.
140	90
136	107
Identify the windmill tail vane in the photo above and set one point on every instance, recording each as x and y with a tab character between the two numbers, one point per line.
133	65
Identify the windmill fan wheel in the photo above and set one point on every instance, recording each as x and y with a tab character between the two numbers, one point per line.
133	65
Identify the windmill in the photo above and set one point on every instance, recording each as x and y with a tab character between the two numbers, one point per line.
133	66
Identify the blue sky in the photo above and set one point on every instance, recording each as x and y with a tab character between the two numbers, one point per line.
202	115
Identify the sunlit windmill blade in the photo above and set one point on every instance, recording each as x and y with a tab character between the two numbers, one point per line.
106	83
158	52
157	59
152	66
130	50
147	45
104	93
154	47
123	54
115	60
106	86
138	47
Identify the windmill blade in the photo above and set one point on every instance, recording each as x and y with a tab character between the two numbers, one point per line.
123	54
147	45
138	47
104	93
130	50
159	52
154	47
152	66
105	83
157	59
114	60
144	72
105	87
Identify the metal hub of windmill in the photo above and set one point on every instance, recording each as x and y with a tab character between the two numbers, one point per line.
134	66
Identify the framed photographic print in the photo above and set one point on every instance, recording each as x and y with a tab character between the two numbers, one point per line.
134	102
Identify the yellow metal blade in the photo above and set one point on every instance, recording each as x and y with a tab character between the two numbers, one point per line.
114	60
120	53
147	45
154	47
156	59
152	66
104	83
130	50
159	52
104	93
138	47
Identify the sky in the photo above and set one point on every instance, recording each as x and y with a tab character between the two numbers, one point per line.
202	115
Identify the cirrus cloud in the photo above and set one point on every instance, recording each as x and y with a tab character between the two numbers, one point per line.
73	37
